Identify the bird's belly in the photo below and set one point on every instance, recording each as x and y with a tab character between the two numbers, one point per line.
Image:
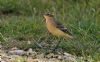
55	31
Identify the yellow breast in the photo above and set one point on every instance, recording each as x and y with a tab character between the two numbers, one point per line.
53	30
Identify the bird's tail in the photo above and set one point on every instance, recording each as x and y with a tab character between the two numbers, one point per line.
68	37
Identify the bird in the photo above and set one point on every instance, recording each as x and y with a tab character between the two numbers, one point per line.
56	28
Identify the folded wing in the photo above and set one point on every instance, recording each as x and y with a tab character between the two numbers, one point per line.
62	27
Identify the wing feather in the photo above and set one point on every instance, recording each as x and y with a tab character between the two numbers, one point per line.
62	27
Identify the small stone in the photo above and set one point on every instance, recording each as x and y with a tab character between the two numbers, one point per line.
30	59
30	52
51	55
40	55
14	48
69	57
60	57
17	52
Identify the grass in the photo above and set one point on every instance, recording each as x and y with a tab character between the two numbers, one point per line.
23	21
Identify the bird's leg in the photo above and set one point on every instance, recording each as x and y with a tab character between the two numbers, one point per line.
54	50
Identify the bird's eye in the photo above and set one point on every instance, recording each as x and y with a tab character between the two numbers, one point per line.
48	14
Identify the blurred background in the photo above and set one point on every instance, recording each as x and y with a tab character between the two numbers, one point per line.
22	21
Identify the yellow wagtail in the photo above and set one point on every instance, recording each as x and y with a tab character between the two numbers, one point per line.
56	28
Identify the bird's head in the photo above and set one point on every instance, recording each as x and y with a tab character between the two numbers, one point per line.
48	16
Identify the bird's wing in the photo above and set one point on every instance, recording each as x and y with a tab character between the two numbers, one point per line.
62	27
